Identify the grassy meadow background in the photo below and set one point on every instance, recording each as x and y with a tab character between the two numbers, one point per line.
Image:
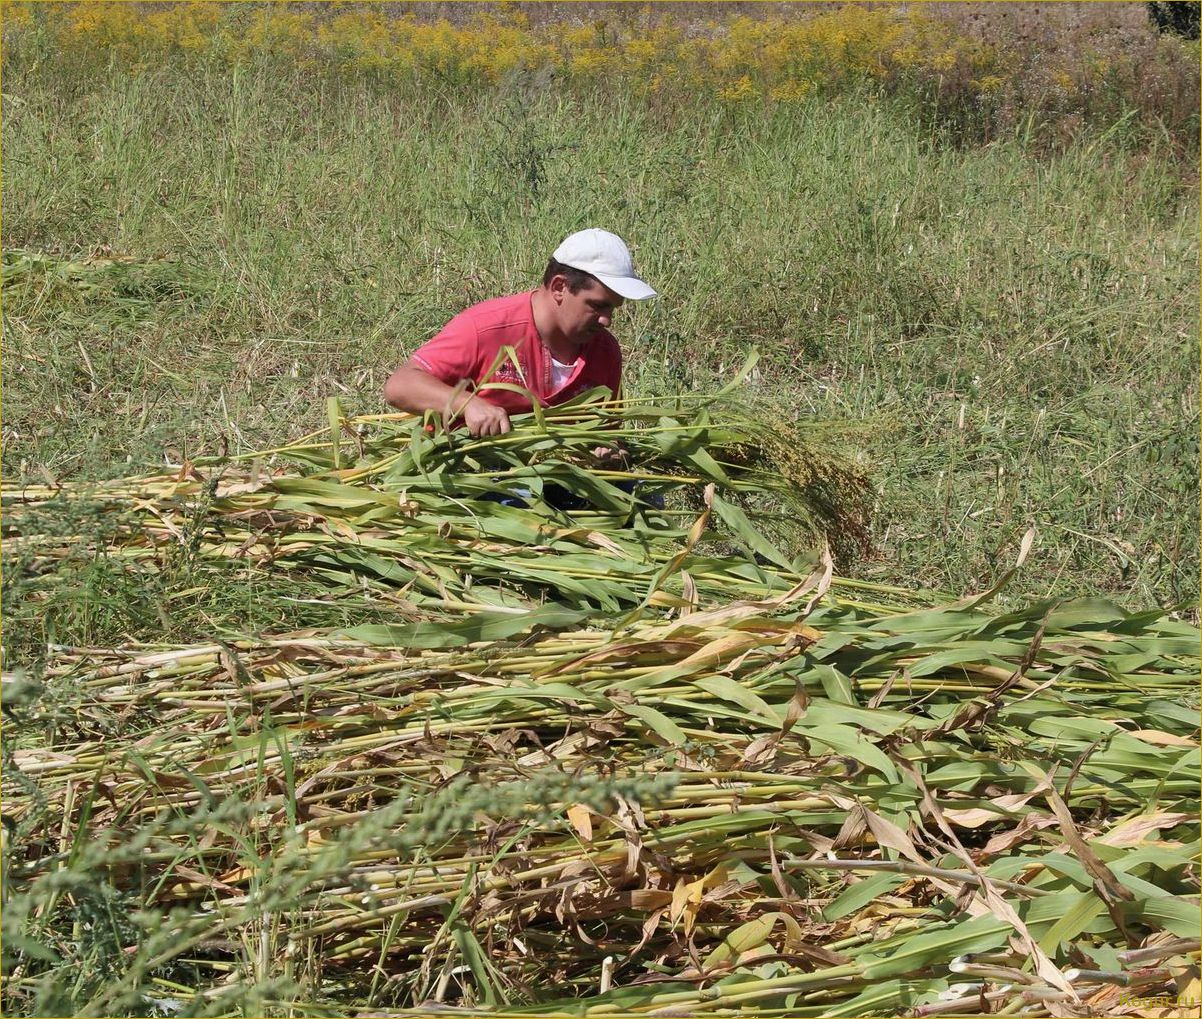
970	234
964	237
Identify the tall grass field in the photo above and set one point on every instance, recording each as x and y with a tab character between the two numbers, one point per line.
891	710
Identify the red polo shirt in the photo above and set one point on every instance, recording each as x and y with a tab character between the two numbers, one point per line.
471	346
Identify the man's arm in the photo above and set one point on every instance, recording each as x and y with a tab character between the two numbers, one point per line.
411	389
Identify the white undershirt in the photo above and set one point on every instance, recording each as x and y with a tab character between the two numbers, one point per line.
559	374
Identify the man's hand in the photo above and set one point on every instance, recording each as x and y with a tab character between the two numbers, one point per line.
484	418
614	455
415	390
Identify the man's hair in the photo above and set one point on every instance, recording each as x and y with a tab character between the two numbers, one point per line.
577	279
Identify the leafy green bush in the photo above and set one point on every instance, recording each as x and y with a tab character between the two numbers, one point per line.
1181	17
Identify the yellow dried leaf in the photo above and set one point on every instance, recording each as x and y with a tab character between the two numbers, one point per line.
581	819
974	817
1163	739
1133	831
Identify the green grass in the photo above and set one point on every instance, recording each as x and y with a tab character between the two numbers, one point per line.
1013	336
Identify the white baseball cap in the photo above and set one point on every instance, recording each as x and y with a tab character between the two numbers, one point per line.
604	255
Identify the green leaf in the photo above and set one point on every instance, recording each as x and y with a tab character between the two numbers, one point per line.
477	960
860	893
1082	909
1176	915
23	944
486	626
727	689
887	997
936	948
745	533
657	721
743	938
849	742
834	684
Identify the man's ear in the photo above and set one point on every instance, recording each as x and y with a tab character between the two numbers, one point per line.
558	286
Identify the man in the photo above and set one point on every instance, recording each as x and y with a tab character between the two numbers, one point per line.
558	334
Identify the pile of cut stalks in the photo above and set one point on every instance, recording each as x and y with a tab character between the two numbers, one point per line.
627	760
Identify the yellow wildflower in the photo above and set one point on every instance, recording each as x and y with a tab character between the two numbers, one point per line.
742	90
791	91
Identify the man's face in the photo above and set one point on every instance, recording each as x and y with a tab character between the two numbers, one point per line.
584	314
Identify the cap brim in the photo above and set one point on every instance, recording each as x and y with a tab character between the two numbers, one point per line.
628	287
